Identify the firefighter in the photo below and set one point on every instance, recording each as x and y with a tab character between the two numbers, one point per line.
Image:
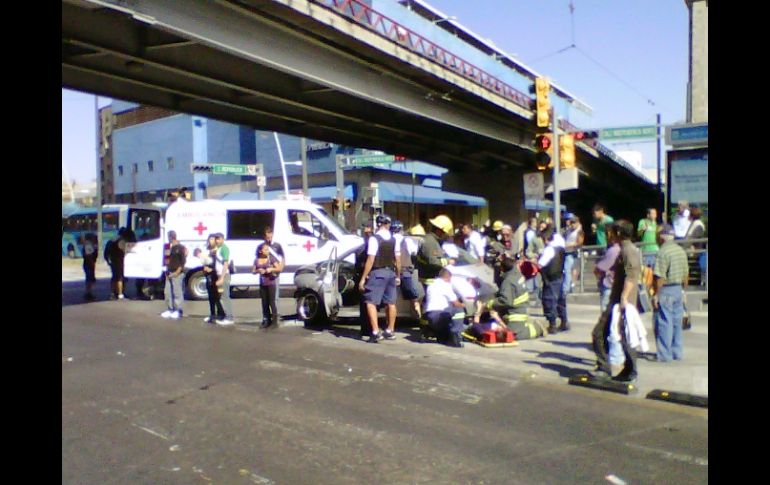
431	257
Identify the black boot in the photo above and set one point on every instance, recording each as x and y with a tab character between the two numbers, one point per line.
265	323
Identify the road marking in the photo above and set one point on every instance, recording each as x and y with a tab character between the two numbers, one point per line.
693	460
150	431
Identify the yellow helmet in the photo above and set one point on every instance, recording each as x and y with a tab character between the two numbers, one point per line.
497	226
417	230
444	223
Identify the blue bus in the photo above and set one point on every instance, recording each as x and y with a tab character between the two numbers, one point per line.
143	219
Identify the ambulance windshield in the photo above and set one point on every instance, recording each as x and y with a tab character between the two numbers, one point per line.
333	222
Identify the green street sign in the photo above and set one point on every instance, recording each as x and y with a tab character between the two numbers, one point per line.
370	160
232	169
623	133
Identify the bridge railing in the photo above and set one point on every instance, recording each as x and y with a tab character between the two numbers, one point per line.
389	28
589	255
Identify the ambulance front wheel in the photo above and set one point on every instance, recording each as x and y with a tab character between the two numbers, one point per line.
310	309
196	286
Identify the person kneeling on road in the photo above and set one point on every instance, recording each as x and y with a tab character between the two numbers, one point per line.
444	311
378	282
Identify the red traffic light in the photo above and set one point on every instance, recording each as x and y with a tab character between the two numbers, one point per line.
585	135
543	142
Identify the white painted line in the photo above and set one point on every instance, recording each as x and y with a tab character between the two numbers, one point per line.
672	456
150	431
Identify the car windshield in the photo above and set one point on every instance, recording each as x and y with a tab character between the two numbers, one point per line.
333	222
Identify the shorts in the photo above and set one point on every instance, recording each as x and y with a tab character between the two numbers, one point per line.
408	290
380	287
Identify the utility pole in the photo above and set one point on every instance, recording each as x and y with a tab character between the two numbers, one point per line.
99	227
303	154
556	190
260	176
340	179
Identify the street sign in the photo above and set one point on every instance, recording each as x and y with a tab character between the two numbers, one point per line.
369	160
224	169
533	186
626	132
693	134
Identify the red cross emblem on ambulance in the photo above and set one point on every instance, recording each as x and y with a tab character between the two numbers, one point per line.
308	245
200	228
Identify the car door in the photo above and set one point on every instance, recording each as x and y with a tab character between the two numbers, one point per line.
144	258
308	240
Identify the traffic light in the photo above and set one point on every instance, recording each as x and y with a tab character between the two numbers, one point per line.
544	147
542	107
400	158
336	204
585	135
347	203
201	168
566	151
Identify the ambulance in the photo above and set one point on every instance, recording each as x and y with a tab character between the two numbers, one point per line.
305	231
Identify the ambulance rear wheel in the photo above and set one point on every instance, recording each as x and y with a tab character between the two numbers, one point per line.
310	309
196	286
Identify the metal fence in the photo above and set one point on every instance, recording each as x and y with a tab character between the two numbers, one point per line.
589	255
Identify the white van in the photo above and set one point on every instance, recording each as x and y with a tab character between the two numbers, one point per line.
304	230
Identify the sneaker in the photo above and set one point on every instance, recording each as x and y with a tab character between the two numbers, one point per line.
166	314
121	297
627	378
226	322
388	335
564	327
175	315
375	337
209	320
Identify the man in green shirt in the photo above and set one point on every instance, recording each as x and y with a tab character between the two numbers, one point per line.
647	233
671	272
222	265
599	227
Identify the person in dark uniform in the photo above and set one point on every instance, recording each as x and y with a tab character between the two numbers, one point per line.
410	291
379	281
512	298
363	318
431	257
551	265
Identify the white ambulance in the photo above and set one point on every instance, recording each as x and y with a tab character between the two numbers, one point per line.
304	230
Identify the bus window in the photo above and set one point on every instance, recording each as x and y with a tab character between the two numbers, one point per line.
110	221
145	223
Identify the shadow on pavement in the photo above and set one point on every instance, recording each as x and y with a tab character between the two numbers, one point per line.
563	370
565	357
572	345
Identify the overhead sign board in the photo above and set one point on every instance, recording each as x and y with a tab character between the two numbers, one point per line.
370	161
626	132
692	134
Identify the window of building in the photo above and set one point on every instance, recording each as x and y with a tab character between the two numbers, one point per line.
149	165
170	163
248	224
136	168
120	170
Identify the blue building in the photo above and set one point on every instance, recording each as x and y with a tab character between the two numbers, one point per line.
152	150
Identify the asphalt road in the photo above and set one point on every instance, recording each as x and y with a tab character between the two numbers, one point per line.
147	400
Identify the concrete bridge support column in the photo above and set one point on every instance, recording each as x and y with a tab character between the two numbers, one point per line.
503	190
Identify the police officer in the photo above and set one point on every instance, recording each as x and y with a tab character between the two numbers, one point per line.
408	249
363	318
379	281
551	265
431	257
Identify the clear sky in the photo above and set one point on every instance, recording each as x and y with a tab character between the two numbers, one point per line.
630	63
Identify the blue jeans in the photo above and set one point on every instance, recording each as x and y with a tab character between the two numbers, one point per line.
604	295
554	302
649	259
668	323
569	263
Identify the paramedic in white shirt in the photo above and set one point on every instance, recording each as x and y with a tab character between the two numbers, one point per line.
474	243
444	311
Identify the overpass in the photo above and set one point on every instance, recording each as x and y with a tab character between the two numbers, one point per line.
335	70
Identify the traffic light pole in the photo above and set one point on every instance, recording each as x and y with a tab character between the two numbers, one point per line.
340	178
260	175
556	190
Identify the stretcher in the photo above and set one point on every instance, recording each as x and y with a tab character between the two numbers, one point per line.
489	339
